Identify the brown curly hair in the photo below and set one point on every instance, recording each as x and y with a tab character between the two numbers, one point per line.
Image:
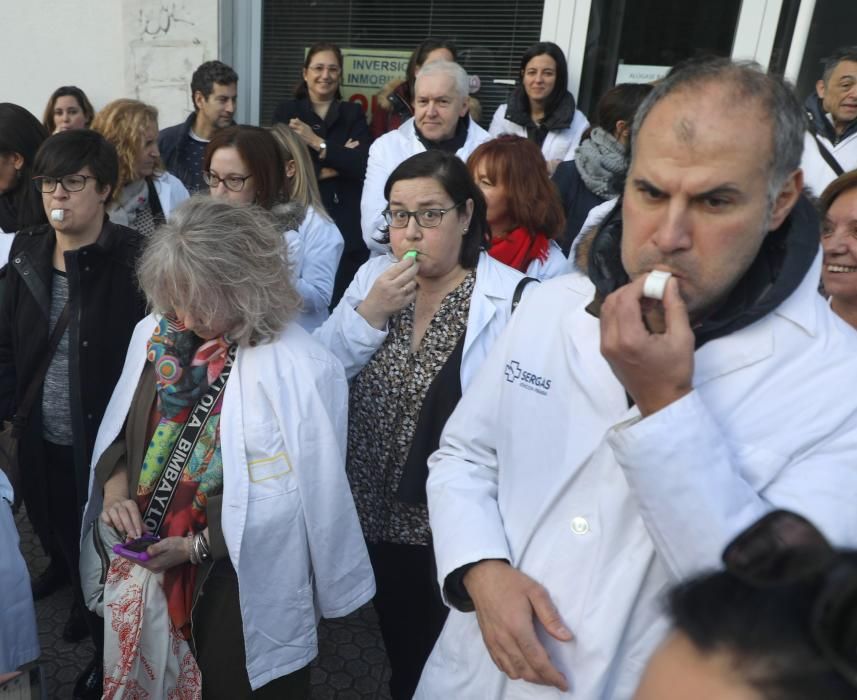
122	122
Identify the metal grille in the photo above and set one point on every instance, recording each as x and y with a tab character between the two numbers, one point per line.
491	36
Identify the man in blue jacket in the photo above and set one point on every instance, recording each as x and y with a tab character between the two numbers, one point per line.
214	90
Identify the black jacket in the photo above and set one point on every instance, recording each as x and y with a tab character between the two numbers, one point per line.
577	200
106	304
170	143
341	195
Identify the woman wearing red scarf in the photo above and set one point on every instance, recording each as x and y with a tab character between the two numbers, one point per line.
525	213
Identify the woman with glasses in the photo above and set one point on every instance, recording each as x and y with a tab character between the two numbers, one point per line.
338	138
412	329
525	214
779	623
541	108
146	193
243	164
20	138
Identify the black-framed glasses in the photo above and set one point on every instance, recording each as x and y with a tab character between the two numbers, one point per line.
784	548
70	183
233	182
427	218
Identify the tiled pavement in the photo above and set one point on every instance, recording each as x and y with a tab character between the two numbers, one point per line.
352	663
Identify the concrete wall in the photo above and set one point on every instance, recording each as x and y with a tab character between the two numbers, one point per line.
145	49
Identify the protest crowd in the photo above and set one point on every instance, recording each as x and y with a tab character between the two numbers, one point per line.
565	398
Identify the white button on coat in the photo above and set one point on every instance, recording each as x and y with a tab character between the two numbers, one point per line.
579	525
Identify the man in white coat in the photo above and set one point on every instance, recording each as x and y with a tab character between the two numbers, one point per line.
441	120
611	444
830	144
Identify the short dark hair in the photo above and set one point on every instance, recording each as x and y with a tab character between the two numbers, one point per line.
67	91
419	56
301	89
452	174
69	151
764	631
560	87
260	153
209	73
21	133
844	53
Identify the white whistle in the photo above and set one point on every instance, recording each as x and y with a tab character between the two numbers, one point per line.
656	284
57	214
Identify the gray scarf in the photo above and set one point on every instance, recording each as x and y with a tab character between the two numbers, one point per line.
133	198
600	160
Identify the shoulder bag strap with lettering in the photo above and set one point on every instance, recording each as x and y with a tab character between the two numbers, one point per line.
185	443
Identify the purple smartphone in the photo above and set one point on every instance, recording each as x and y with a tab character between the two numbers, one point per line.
136	549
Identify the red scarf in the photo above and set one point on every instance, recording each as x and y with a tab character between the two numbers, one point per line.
519	248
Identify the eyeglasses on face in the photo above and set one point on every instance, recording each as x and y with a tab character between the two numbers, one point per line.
233	182
331	69
785	548
427	218
70	183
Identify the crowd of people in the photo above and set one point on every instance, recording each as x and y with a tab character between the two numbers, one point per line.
258	376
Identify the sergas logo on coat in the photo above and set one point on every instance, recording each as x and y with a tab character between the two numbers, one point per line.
525	379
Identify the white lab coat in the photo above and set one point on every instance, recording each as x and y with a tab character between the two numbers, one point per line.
555	265
817	174
558	145
350	337
171	191
314	259
288	517
543	464
19	638
385	154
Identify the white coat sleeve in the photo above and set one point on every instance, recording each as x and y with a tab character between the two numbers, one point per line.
497	126
462	485
340	563
322	249
372	202
693	496
348	335
579	124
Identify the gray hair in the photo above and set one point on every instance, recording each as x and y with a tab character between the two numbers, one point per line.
221	262
844	53
747	82
453	70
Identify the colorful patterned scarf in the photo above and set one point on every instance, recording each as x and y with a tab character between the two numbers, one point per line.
185	366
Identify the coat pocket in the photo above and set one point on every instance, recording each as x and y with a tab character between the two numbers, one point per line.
269	463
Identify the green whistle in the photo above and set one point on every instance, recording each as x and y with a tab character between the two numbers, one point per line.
411	254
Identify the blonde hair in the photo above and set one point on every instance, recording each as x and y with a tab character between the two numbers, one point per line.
122	123
224	264
303	187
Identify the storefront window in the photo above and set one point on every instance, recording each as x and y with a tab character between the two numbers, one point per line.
377	37
640	40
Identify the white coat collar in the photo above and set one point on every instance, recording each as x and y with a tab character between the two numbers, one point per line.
475	135
492	283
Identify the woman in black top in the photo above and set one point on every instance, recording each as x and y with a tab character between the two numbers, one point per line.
337	135
21	134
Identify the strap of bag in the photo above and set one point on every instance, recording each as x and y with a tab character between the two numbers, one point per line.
23	411
183	448
822	149
155	204
519	291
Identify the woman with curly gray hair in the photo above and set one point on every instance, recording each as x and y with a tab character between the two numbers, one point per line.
221	460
